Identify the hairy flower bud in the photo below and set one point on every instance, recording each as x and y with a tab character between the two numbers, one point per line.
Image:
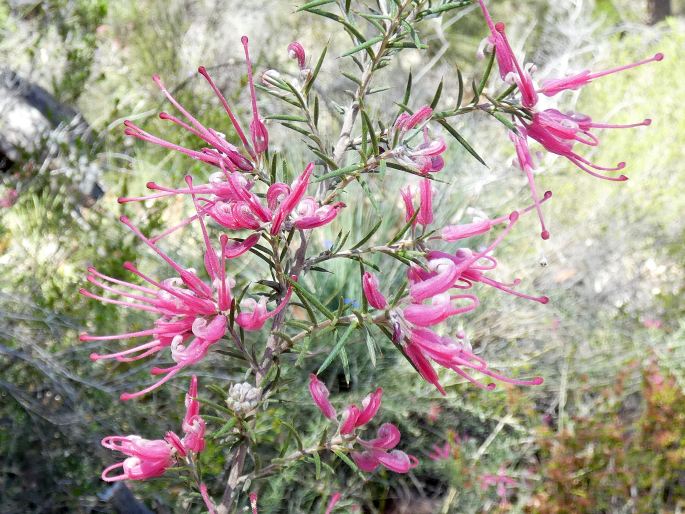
243	397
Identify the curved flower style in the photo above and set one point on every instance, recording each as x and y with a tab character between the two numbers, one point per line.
552	87
380	451
151	458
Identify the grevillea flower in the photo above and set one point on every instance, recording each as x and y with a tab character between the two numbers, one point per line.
258	131
452	233
352	417
145	458
208	501
551	87
151	458
9	198
192	314
527	166
406	121
254	313
379	451
253	503
425	214
500	480
558	133
296	51
425	157
411	317
193	425
335	498
320	395
509	68
373	295
443	452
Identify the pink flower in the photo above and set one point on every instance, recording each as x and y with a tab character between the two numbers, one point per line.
9	198
526	163
320	394
253	503
308	214
296	51
425	215
193	425
551	87
652	323
501	480
258	132
335	498
376	452
426	157
452	233
406	121
509	68
372	292
255	314
192	315
206	498
146	459
558	133
443	452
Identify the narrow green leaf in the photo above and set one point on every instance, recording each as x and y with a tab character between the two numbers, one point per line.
407	93
347	170
436	96
347	461
304	294
371	131
371	348
316	111
352	78
336	349
404	229
462	141
366	44
286	117
368	235
460	96
486	75
314	3
315	72
293	431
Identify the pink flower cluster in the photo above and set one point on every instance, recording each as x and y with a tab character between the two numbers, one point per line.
378	451
556	131
192	314
151	458
411	318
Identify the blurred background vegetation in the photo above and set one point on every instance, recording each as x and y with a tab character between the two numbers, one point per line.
604	434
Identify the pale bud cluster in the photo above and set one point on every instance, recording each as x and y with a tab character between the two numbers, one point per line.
243	397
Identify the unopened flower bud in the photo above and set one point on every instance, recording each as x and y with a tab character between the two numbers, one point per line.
243	397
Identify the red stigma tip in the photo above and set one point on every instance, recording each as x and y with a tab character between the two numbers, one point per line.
514	216
124	397
499	26
659	57
622	178
82	291
94	357
223	239
491	386
544	300
128	266
121	199
538	380
124	219
547	195
647	122
244	40
82	335
202	70
545	235
90	269
621	165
